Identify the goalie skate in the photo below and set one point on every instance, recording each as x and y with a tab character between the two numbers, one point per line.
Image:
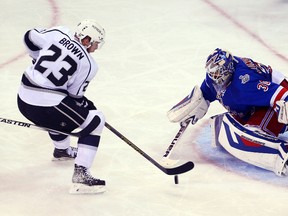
85	183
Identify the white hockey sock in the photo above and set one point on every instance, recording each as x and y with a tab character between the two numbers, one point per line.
85	155
63	144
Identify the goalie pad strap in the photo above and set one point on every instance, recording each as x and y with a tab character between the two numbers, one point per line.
192	106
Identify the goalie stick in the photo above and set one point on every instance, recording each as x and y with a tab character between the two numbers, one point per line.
169	171
166	161
176	138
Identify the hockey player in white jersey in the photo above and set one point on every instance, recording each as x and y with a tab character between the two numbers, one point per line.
52	90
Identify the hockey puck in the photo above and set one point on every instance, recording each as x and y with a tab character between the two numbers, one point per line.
176	181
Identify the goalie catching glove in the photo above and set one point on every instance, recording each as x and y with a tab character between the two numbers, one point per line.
193	107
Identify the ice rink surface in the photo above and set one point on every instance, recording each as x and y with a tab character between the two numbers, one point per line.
154	54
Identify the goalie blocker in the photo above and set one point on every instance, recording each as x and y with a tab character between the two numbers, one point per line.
254	147
193	107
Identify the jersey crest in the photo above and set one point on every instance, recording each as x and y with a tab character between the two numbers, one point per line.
244	78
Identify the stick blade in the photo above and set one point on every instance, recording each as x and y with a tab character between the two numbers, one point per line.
179	169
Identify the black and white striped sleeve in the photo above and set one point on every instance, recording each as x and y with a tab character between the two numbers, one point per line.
33	40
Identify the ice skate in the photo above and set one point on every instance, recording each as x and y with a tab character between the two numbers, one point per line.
84	183
64	154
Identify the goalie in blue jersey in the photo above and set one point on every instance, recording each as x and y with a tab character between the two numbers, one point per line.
255	97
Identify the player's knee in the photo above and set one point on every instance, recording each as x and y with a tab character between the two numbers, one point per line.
93	124
57	137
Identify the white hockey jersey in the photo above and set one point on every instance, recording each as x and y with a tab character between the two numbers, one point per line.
62	67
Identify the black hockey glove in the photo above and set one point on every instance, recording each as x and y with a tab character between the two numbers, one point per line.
89	104
86	103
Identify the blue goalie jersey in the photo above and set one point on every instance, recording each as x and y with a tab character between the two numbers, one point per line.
252	85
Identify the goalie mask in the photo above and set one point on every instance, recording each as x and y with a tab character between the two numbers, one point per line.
220	67
91	28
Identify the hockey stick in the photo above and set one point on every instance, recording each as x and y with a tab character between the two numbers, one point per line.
165	159
169	171
33	126
176	138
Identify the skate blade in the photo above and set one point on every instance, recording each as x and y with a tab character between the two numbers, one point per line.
62	159
85	189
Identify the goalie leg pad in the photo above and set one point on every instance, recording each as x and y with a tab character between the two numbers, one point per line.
215	124
259	149
281	166
193	106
